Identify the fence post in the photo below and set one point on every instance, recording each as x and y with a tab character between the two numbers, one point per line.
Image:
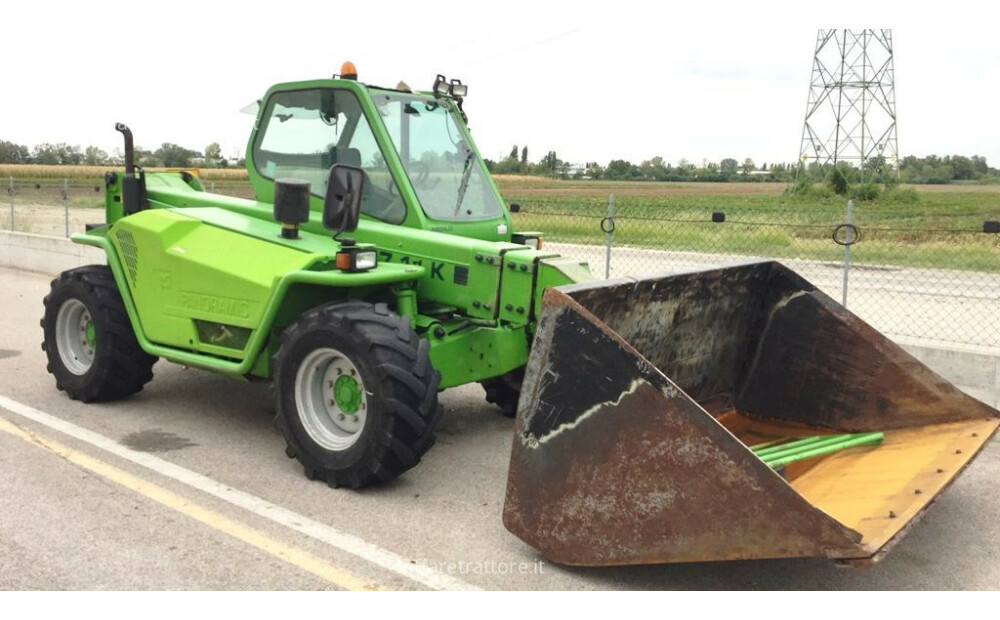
10	190
65	197
848	241
608	226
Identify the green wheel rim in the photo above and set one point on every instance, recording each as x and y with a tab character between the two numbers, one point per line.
347	394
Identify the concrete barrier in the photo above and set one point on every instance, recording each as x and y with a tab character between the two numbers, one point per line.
42	254
974	371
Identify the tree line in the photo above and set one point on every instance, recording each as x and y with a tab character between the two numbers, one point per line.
168	155
932	169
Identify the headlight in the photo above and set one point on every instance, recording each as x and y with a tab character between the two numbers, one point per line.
365	260
356	260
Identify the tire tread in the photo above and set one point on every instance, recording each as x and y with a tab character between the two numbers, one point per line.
126	368
401	362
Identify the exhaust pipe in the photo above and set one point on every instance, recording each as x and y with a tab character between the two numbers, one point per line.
133	187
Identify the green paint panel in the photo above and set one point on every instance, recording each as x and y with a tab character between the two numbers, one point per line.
156	180
479	353
291	290
556	271
517	285
180	270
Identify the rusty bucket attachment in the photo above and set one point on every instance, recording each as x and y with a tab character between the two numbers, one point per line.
643	398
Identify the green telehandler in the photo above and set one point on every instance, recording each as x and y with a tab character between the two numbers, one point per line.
378	265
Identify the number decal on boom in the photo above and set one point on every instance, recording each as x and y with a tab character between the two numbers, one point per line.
437	269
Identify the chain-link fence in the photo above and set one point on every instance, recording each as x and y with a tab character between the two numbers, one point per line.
61	207
935	277
55	207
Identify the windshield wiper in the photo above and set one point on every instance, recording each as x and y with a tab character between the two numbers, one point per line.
466	174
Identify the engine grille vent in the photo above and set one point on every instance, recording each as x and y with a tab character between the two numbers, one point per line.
129	253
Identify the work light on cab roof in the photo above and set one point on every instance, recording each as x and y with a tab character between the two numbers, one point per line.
455	88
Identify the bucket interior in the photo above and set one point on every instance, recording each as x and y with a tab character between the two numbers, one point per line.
874	490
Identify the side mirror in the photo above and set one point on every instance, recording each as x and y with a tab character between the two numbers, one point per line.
342	204
515	208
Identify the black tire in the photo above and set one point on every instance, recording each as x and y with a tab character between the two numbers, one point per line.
108	364
501	393
394	402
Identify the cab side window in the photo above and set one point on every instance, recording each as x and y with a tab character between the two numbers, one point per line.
305	132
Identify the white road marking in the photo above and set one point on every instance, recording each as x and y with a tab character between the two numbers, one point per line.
184	505
348	543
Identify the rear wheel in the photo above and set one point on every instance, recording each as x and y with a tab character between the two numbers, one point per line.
356	394
88	339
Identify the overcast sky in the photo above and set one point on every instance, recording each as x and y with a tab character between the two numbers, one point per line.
594	82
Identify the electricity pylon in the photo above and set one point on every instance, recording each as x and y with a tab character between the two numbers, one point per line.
851	113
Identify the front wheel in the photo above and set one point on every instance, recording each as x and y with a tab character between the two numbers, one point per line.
356	394
88	339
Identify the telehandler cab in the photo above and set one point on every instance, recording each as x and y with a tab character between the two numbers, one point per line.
664	419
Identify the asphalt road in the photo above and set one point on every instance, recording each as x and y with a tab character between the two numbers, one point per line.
186	486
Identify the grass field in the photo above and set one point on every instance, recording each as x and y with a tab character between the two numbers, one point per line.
925	226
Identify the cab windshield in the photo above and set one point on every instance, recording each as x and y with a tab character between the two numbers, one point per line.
447	175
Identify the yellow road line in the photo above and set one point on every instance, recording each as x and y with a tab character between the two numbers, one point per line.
302	559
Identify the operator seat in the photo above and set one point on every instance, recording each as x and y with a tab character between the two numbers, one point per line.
375	201
346	156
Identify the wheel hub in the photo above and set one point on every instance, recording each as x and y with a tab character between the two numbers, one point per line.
347	394
90	333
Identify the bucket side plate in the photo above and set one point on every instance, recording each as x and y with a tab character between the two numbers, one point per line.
612	464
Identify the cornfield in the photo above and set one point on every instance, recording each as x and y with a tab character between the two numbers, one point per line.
34	171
